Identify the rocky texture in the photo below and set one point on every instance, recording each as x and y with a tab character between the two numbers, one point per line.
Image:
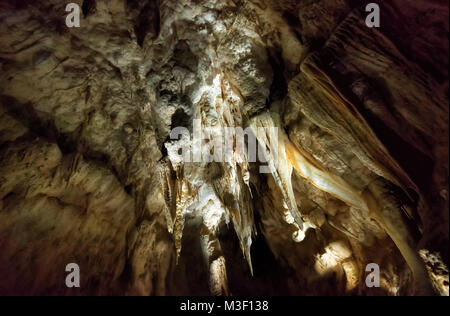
89	174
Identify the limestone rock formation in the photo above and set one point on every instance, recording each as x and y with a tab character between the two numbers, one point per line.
89	172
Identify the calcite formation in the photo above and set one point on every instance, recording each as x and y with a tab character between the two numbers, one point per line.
89	172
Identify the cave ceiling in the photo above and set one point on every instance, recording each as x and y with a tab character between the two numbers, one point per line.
351	121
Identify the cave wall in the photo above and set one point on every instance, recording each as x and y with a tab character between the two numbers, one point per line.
88	172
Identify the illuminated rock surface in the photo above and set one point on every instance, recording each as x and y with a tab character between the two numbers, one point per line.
89	174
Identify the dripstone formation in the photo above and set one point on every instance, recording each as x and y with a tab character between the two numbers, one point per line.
89	172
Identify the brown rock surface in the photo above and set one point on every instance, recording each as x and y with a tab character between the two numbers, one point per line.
89	173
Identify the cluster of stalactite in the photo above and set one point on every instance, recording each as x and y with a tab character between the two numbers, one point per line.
357	172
